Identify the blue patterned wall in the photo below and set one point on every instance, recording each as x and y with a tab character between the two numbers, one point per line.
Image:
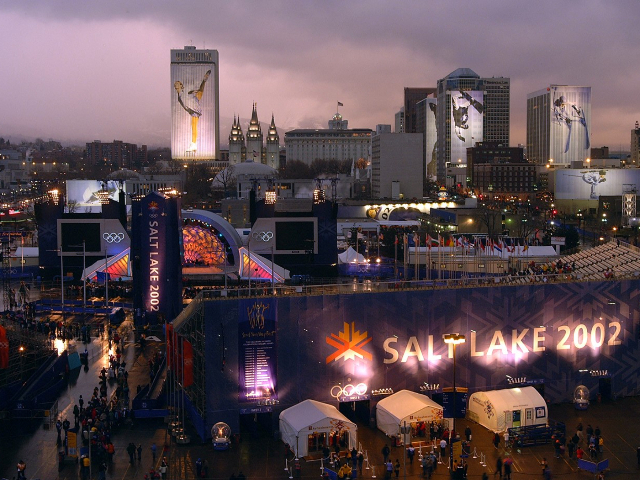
562	335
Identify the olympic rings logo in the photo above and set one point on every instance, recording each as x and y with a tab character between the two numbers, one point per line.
262	236
113	237
348	390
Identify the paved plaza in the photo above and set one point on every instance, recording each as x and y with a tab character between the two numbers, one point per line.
259	456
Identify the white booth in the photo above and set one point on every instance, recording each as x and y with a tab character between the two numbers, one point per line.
405	406
498	410
309	426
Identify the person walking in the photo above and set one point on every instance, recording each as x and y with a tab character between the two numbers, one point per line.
154	450
59	429
411	453
198	468
131	450
139	450
396	467
498	467
496	440
22	469
385	452
81	402
389	466
467	433
443	448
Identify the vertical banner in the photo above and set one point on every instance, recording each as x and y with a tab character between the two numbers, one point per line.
170	347
257	358
187	363
153	253
4	348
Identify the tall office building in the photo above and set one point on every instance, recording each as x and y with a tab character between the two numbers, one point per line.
635	145
470	109
412	96
559	125
195	111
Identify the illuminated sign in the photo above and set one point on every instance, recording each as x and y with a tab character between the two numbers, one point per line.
570	123
518	343
257	358
350	393
113	237
349	344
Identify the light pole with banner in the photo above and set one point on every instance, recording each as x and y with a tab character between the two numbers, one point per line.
454	339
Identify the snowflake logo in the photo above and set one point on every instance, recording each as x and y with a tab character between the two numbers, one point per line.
349	344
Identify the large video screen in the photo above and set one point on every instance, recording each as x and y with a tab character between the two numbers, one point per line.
72	234
295	236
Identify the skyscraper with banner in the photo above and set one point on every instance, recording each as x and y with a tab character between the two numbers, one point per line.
195	106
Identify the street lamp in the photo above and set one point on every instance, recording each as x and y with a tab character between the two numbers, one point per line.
454	339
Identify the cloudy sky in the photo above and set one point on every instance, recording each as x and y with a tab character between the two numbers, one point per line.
77	71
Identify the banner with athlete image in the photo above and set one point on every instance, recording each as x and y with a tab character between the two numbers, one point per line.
257	355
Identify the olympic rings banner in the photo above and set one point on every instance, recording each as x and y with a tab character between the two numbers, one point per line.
257	355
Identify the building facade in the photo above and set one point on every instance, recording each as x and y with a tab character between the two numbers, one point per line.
412	96
395	159
635	145
116	154
559	125
399	121
470	109
338	142
195	106
254	148
495	168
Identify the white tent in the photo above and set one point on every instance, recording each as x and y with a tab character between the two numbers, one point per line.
307	418
498	410
405	406
350	256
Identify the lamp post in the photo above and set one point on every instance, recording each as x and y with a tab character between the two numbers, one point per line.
454	339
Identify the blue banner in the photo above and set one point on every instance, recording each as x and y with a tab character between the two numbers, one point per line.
257	355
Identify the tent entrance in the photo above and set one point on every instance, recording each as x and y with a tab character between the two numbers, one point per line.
257	424
357	412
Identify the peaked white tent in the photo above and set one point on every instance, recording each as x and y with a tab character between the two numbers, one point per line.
350	256
311	417
498	410
405	406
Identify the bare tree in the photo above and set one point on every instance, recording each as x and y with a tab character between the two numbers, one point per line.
227	179
491	217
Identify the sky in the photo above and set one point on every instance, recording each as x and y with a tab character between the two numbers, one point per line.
77	71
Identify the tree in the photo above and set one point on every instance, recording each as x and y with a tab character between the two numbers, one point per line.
296	169
227	179
491	217
198	184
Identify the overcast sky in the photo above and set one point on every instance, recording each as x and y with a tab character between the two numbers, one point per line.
76	70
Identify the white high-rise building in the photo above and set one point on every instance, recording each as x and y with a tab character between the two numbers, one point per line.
559	125
195	112
470	109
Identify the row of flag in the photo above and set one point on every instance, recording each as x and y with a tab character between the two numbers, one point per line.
482	243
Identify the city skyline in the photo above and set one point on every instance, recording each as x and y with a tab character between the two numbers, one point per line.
77	72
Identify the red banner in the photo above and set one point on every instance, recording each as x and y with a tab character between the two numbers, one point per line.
4	348
171	347
187	363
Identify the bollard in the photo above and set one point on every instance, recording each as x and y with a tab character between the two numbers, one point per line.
374	472
291	472
322	464
482	460
286	464
366	459
475	455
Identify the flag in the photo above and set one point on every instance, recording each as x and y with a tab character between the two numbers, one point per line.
450	242
4	348
416	240
498	246
187	363
526	247
340	104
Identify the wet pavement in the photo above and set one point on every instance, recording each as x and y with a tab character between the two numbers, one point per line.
259	456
